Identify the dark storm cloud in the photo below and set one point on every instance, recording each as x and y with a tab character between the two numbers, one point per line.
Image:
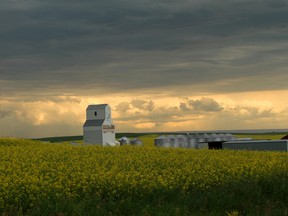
107	46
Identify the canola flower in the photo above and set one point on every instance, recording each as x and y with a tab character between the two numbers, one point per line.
33	171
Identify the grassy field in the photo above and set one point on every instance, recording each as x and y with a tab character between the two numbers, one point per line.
264	136
38	178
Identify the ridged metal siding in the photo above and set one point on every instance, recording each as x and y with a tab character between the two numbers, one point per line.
262	145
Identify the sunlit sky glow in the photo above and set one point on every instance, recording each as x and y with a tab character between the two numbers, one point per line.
161	65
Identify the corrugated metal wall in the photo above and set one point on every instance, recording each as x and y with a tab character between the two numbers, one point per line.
262	145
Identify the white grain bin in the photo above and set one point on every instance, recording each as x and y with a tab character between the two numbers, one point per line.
201	138
207	137
173	141
124	141
229	137
160	141
221	137
192	141
210	138
136	142
167	143
216	137
183	141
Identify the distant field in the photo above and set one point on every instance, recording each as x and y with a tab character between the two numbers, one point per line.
75	138
38	178
264	136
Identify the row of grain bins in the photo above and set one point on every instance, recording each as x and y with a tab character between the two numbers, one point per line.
191	140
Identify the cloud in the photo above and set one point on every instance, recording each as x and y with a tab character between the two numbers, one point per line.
54	99
142	45
123	107
146	114
55	53
147	125
183	107
205	113
143	105
36	118
254	113
203	105
26	118
5	113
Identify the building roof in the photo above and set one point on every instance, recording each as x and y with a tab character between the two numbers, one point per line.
91	123
97	106
161	137
255	141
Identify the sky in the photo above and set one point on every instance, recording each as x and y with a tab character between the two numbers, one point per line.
161	65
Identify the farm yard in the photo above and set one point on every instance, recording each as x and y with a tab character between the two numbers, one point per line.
39	178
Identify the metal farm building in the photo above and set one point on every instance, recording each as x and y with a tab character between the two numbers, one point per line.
262	145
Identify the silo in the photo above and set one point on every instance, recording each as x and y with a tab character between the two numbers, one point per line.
206	137
226	137
201	138
192	140
210	138
216	137
229	137
202	141
221	137
124	141
173	141
160	141
136	142
183	141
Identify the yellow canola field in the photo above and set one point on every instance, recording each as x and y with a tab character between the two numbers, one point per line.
32	171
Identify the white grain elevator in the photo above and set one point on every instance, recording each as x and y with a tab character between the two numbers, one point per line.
98	127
